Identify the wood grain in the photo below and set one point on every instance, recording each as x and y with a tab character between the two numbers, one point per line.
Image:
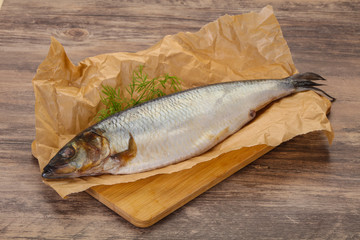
303	189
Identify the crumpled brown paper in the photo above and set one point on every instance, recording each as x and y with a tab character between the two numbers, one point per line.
248	46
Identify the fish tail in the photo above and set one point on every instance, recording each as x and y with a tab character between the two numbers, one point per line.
305	81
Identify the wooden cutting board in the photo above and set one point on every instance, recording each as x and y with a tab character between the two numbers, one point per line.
147	201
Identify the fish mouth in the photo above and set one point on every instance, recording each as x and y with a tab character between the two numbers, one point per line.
65	172
52	172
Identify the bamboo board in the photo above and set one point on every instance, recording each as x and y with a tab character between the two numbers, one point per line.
147	201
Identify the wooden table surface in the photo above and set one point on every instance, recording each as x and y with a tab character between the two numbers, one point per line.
303	189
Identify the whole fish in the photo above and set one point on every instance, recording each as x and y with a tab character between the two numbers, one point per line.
170	129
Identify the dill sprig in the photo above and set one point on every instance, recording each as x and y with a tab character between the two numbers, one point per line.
141	89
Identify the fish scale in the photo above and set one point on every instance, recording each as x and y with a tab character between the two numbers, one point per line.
170	129
197	122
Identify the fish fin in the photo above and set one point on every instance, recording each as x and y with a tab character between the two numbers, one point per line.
307	76
304	81
128	154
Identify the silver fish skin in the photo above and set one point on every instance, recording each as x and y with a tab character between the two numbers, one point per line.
170	129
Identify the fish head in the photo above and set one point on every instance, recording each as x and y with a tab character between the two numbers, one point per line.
82	156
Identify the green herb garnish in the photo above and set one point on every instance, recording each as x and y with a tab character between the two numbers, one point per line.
141	89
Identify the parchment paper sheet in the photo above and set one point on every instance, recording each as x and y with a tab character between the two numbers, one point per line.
248	46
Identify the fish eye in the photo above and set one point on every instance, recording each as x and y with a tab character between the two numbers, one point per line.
68	152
